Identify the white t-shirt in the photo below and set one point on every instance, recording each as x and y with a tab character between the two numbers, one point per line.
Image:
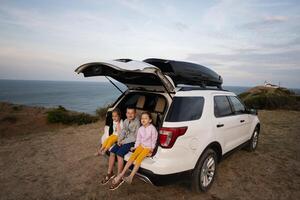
115	127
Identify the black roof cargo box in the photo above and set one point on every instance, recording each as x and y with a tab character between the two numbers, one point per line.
187	73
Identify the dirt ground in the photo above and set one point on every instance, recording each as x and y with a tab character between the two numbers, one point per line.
41	161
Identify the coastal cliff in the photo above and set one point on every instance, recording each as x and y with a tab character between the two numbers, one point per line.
261	97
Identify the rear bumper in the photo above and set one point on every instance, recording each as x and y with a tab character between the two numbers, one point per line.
160	180
167	161
150	177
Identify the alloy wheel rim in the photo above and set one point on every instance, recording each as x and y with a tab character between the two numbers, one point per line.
207	171
255	140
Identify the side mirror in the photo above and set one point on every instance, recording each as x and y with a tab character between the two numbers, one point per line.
252	111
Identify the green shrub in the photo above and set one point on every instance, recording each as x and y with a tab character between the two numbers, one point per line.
17	107
297	98
269	99
101	111
243	95
61	108
10	119
62	115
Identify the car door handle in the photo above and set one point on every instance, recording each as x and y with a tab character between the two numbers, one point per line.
242	121
220	125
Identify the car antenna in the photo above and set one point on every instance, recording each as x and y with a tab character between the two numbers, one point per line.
114	84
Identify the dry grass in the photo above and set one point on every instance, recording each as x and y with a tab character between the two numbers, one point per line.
58	163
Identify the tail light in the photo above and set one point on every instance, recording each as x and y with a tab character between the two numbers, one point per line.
168	136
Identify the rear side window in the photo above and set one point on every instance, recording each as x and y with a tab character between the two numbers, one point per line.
238	107
185	109
131	100
222	106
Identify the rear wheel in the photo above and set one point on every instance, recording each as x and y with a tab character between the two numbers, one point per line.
253	142
205	171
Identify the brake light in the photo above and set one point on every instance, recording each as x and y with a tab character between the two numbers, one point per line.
168	136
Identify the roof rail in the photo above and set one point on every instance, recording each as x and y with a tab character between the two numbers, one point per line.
190	88
123	60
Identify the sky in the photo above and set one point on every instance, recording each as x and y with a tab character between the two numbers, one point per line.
247	42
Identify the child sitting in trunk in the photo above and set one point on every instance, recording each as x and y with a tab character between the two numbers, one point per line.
126	140
113	138
144	145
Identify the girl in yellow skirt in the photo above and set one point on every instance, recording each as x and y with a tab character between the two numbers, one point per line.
117	128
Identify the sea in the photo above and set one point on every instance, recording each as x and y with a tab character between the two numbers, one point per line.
73	95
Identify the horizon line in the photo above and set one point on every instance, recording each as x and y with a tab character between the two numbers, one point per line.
93	81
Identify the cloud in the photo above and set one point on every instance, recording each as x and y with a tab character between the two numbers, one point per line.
272	19
279	60
180	26
265	22
244	40
287	44
252	65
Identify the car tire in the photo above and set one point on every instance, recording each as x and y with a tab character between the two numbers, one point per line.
253	142
205	171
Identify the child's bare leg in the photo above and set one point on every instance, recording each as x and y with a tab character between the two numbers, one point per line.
128	164
102	148
97	152
122	173
133	172
111	162
120	164
104	151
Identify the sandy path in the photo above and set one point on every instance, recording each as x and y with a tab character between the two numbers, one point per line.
59	164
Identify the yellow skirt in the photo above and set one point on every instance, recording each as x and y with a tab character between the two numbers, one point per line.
139	154
110	141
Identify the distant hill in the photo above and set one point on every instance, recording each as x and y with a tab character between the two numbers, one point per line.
261	97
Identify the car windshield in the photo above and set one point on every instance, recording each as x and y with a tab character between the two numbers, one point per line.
185	109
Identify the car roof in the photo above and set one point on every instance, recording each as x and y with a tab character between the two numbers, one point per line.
203	92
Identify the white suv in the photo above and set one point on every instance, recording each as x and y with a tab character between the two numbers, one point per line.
198	122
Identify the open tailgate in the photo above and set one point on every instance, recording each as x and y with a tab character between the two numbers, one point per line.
150	78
